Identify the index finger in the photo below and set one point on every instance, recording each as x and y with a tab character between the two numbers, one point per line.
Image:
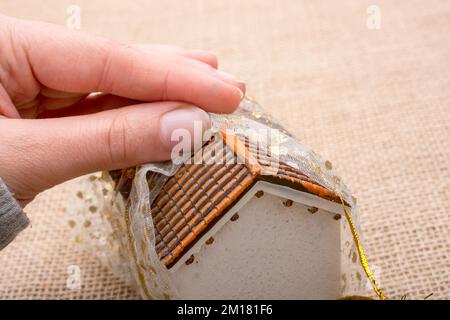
76	62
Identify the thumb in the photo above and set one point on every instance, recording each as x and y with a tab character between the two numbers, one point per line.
38	154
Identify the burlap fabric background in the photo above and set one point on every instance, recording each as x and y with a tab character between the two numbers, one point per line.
375	102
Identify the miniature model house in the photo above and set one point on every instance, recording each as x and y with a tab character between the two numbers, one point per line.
237	229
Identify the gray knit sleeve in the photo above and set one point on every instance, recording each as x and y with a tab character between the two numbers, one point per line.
12	218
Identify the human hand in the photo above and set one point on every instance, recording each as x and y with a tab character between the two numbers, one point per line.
53	129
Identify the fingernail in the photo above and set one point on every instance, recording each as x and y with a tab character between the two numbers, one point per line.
184	127
229	76
241	93
226	75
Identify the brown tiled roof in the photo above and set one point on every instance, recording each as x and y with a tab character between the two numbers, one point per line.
205	188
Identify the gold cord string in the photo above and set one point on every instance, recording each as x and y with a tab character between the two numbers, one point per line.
362	256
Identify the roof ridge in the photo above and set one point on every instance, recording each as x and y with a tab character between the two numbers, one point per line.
238	147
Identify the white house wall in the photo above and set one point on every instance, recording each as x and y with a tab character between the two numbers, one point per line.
270	251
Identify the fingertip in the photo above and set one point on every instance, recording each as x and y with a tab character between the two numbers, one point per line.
237	98
207	57
242	87
231	79
228	101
